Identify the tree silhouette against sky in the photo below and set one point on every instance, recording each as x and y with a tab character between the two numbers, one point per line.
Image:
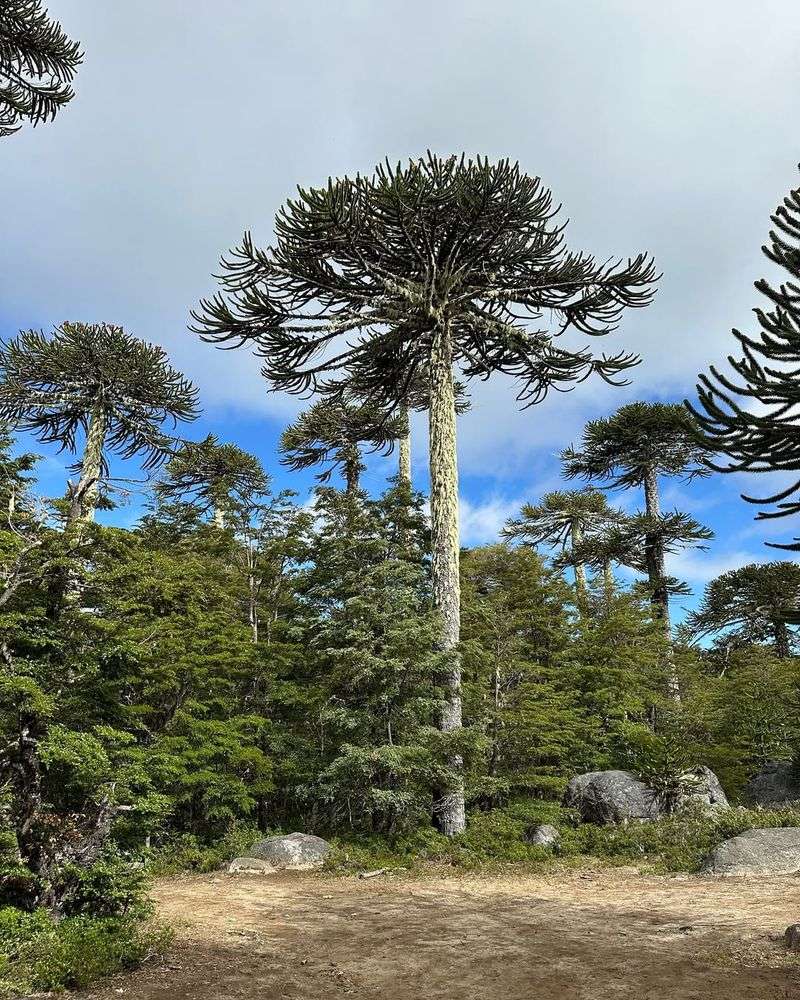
38	62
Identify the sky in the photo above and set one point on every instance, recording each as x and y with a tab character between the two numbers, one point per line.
670	128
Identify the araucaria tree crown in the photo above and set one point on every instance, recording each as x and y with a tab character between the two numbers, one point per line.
333	433
749	419
97	380
214	476
469	245
37	64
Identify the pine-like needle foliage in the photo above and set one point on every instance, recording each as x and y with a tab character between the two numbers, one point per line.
639	439
559	517
365	269
751	604
333	433
750	418
37	65
53	385
212	476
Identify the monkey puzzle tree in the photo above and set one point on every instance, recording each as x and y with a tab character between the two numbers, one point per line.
333	432
750	418
98	380
37	64
751	604
566	518
633	448
213	476
398	277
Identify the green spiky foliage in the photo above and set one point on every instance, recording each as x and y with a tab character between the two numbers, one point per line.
565	519
213	477
14	478
335	433
750	605
639	440
467	242
99	381
397	276
748	419
634	447
38	62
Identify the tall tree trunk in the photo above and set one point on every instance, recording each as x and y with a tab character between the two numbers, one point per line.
781	634
657	575
219	518
352	469
445	551
64	585
608	582
404	460
84	501
576	537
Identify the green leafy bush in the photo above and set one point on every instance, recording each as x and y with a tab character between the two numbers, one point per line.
37	954
680	842
189	853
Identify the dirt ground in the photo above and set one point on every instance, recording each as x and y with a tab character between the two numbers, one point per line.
597	936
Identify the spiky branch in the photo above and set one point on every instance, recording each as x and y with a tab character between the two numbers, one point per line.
749	420
37	65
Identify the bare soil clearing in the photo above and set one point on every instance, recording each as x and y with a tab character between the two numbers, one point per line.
603	936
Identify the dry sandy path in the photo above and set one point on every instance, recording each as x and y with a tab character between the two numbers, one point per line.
603	936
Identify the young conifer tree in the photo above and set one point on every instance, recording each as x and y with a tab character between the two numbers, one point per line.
751	604
333	433
215	477
404	274
565	519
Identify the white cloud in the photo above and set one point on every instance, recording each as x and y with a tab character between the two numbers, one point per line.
698	567
481	522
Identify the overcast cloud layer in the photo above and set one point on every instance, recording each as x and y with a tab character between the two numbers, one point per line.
666	127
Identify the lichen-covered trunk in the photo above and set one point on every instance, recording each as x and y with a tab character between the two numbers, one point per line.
445	555
576	537
352	469
781	634
404	449
657	575
84	501
608	582
219	518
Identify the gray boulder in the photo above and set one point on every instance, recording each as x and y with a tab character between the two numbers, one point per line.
704	789
757	852
250	865
295	851
544	835
619	796
610	797
774	785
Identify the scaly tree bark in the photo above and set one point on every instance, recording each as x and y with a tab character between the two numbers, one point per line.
404	448
375	280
